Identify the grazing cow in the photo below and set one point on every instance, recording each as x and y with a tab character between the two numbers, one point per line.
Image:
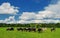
20	29
27	29
10	28
30	29
40	30
43	29
33	29
52	29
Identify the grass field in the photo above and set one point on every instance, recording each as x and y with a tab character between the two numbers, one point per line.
20	34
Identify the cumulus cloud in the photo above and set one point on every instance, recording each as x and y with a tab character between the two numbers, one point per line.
51	14
27	16
10	20
37	21
55	9
7	8
31	15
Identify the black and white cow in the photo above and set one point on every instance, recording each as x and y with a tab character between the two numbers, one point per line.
53	29
20	29
10	28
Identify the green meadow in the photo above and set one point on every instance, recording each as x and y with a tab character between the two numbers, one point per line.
24	34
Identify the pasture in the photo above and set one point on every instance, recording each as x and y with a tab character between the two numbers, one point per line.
24	34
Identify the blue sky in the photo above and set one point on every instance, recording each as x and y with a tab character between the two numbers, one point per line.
26	5
30	6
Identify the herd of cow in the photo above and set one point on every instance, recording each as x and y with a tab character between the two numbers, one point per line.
30	29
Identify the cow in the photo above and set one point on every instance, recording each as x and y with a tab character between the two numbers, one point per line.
10	28
52	29
20	29
33	29
44	29
27	29
40	30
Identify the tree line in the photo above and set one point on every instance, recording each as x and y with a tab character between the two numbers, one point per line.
37	25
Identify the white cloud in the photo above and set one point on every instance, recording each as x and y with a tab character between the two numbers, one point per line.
7	8
40	15
55	9
44	14
52	11
38	21
27	16
8	20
